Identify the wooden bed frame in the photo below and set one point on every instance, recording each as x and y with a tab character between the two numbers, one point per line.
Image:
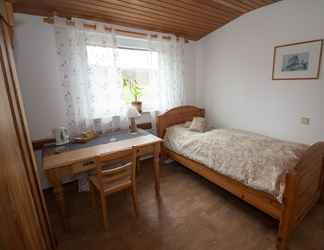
304	184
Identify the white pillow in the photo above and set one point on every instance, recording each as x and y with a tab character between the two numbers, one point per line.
198	124
187	124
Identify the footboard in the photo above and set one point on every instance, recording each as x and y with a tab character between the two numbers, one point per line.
304	188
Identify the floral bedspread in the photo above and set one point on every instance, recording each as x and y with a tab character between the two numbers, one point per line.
257	161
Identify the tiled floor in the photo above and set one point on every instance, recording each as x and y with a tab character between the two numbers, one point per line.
192	214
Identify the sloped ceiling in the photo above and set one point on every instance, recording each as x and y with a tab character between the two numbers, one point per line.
192	19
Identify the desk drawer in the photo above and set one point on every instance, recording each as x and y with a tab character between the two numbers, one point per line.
83	166
145	150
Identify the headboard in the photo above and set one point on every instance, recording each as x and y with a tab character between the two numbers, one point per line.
175	116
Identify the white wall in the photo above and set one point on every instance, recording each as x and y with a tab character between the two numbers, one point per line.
234	73
190	72
35	53
228	72
37	71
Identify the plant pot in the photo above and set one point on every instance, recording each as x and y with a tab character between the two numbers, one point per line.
138	106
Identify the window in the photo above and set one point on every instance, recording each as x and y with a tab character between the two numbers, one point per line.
91	72
133	64
140	66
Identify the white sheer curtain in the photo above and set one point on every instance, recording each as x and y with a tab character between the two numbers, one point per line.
92	81
168	79
92	85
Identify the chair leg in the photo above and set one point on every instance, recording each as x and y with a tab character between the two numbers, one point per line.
93	196
134	197
104	211
138	165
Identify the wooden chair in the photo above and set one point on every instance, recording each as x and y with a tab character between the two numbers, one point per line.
114	172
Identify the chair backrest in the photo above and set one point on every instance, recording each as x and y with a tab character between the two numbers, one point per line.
113	167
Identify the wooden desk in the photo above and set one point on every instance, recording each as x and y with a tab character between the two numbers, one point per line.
76	161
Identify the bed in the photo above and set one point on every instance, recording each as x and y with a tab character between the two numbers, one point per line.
298	187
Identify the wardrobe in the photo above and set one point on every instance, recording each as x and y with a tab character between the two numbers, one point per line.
24	222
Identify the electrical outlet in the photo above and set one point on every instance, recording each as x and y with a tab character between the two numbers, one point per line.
305	120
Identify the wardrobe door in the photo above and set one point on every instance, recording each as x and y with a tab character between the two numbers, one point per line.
23	216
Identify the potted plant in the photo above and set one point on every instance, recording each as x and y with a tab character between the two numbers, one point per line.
136	91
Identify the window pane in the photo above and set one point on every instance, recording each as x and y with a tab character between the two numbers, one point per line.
130	58
106	79
139	65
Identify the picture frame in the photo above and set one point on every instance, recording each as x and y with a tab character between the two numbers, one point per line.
297	61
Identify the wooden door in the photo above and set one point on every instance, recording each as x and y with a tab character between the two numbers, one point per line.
23	216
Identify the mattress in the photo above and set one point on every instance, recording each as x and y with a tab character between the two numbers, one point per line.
257	161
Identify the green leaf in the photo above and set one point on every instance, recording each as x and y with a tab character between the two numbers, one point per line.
135	89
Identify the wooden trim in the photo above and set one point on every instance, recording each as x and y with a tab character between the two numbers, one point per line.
304	184
25	141
33	224
298	43
320	61
292	44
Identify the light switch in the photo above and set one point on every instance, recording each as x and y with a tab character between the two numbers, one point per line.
305	120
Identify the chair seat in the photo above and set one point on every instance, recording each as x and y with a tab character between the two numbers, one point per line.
114	164
113	186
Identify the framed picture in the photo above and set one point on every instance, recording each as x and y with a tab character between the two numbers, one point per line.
297	61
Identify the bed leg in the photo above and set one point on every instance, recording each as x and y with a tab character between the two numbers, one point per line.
284	233
288	213
282	242
321	200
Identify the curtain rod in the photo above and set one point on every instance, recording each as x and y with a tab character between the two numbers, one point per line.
119	31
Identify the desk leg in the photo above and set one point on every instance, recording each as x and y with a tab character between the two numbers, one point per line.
157	168
55	180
